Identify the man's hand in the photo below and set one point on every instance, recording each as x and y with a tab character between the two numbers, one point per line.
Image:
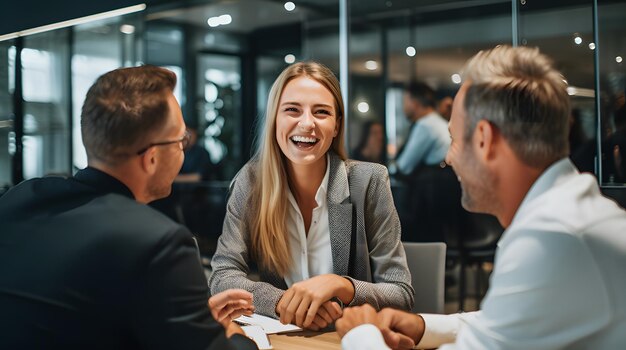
354	317
230	304
401	330
301	303
234	328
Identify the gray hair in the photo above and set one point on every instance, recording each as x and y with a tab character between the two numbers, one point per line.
520	92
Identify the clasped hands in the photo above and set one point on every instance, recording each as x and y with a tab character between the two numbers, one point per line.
308	303
400	329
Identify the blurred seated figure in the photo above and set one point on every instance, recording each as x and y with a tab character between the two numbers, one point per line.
583	151
428	139
420	166
616	148
444	107
197	165
372	145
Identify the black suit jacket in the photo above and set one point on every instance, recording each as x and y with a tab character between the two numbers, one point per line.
84	266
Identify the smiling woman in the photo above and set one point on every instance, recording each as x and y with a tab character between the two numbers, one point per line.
322	229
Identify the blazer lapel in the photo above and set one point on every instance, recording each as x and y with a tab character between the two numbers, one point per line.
339	215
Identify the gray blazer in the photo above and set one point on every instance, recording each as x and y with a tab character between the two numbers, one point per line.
364	235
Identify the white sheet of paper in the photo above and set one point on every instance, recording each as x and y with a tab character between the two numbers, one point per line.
269	325
257	334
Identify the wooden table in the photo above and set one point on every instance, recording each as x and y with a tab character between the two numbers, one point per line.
306	340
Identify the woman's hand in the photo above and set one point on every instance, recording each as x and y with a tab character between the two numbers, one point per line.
300	303
230	304
328	313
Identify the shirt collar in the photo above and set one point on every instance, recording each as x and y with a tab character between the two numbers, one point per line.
320	195
102	182
554	175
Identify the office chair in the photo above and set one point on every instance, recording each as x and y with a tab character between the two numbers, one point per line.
427	263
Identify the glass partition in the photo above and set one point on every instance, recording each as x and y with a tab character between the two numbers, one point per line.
393	43
612	103
97	49
45	73
565	33
7	136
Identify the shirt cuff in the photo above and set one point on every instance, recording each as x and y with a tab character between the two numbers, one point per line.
439	329
364	337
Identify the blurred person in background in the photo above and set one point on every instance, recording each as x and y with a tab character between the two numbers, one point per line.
372	145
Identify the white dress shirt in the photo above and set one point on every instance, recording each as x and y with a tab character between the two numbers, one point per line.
427	143
559	278
311	254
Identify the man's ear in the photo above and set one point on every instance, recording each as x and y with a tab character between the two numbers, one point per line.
149	161
485	139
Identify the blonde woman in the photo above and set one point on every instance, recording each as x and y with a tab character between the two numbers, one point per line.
323	230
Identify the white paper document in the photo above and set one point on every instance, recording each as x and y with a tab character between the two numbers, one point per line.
269	325
257	334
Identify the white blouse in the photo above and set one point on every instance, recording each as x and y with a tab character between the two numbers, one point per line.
311	254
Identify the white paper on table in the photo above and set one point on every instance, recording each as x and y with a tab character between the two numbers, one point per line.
257	334
269	325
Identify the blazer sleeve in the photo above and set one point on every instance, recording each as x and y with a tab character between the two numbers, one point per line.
391	279
169	307
231	259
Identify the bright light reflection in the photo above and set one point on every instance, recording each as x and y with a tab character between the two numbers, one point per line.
290	6
363	107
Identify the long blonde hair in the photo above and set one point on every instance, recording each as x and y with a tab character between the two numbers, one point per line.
270	240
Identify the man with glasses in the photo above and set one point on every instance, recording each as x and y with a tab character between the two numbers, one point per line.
84	263
559	276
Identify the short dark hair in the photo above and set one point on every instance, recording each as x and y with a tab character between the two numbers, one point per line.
421	92
123	109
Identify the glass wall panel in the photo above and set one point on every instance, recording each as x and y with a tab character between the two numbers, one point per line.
565	33
393	43
220	112
6	114
611	55
45	70
97	50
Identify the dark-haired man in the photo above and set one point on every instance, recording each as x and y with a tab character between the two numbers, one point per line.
85	264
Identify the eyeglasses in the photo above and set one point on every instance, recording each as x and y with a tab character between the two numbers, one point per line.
184	142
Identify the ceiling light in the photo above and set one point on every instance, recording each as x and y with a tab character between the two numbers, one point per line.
289	58
290	6
225	19
578	40
213	22
618	59
363	107
219	20
592	46
410	51
371	65
127	29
